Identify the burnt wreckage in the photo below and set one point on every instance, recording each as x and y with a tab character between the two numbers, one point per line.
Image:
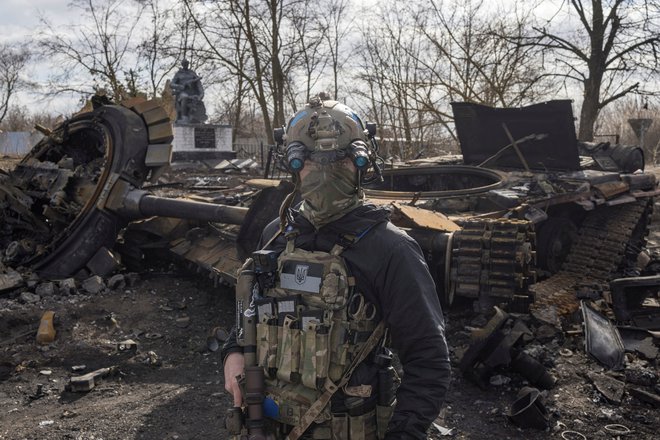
529	217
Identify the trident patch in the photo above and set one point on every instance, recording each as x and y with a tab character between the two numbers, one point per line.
301	273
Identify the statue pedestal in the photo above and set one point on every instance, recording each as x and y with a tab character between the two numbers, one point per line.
202	142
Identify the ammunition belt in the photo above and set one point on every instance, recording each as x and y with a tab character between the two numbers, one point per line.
594	258
492	257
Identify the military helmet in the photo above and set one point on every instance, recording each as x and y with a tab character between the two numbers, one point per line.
324	125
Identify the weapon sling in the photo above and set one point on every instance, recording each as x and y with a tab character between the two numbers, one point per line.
330	388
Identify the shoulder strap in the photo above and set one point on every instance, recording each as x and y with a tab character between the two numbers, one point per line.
331	388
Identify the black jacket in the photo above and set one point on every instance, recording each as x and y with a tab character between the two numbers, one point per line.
390	271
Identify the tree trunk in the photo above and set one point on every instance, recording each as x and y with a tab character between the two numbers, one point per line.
590	109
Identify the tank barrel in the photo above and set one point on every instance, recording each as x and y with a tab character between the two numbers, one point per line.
158	206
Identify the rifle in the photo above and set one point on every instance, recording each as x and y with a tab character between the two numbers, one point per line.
246	336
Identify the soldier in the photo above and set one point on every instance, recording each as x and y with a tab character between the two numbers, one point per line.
334	285
187	88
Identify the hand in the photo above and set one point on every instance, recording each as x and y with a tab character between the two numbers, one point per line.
234	366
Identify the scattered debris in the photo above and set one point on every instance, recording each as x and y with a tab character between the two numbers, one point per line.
45	289
645	396
93	285
528	411
29	297
498	345
117	282
86	382
499	380
635	299
127	346
602	339
183	322
46	332
67	286
237	165
10	279
445	432
612	389
640	341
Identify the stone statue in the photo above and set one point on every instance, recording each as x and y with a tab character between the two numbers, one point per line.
188	92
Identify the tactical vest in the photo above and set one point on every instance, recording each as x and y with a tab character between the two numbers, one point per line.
311	324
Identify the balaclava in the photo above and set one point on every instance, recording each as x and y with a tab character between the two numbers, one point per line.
329	192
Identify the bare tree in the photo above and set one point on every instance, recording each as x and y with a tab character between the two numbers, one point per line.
101	48
12	63
419	58
337	35
310	32
274	46
610	51
164	45
471	57
391	77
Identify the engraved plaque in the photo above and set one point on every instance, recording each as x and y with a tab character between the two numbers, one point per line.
205	137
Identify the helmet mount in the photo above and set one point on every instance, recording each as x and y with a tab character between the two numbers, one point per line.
327	131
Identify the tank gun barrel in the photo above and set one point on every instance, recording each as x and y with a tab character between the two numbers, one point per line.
138	203
151	205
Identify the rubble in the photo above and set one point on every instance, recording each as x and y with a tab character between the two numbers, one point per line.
45	289
29	297
87	382
528	411
67	286
117	282
609	387
93	285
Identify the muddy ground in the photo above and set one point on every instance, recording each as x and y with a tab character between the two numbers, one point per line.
171	387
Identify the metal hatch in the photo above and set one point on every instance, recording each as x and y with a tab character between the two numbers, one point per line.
482	135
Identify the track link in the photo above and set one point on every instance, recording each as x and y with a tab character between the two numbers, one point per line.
594	258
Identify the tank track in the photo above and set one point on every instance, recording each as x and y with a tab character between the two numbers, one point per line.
604	240
492	258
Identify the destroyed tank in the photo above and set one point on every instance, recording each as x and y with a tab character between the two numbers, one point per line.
539	213
63	205
526	216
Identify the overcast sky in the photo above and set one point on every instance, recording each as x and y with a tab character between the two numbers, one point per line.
20	18
19	21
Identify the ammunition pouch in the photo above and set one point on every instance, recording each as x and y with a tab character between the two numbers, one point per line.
306	337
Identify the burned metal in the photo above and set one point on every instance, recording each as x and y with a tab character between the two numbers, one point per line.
498	346
602	339
528	411
579	211
63	205
635	299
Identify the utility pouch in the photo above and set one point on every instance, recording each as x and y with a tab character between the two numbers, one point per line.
314	354
288	351
363	427
383	416
266	334
340	426
339	349
267	345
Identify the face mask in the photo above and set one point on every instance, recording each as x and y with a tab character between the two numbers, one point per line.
329	192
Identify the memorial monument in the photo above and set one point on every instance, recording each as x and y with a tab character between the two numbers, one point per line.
194	139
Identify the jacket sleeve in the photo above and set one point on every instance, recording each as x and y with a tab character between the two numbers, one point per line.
412	312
